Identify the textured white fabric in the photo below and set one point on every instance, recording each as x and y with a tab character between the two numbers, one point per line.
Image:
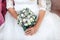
9	4
48	29
42	4
48	4
41	7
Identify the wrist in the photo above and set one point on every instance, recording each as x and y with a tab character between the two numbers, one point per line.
36	27
17	17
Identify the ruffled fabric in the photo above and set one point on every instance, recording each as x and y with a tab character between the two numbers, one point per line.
42	5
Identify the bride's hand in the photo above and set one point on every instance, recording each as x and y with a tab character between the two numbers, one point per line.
31	30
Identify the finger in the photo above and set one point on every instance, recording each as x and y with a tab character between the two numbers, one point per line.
32	32
29	26
28	31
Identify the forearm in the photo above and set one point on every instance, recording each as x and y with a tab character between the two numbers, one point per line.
40	17
13	12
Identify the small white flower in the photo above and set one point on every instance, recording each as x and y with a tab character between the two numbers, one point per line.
20	21
31	19
22	15
25	24
28	16
23	10
34	17
29	23
24	20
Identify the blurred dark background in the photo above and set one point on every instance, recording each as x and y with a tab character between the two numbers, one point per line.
55	6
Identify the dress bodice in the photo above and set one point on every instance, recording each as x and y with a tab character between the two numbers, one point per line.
31	4
26	1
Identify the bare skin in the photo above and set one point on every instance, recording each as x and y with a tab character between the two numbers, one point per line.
32	30
13	12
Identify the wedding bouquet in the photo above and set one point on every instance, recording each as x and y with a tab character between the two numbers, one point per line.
26	18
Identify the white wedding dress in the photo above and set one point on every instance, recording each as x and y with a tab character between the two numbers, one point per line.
48	29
